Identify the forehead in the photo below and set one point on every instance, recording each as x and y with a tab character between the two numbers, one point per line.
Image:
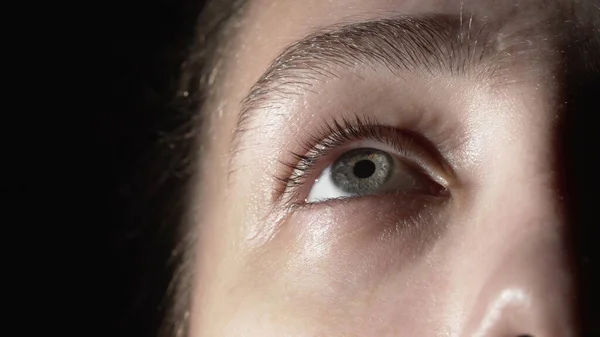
314	13
267	27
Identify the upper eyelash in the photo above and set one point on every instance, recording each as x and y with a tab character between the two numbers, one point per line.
333	134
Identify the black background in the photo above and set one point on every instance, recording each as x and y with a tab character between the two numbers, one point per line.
136	48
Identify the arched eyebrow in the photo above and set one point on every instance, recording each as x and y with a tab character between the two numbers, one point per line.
435	44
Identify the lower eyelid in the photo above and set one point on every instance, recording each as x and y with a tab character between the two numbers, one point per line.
402	206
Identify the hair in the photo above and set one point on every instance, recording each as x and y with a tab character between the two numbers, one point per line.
197	78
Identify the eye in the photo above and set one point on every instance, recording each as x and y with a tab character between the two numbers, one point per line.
368	171
361	157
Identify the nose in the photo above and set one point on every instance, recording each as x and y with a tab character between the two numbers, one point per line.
523	285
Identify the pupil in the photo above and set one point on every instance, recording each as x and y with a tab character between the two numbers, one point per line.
364	169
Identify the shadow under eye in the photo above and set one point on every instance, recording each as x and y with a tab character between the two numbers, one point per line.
399	225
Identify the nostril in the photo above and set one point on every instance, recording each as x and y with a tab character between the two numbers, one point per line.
524	336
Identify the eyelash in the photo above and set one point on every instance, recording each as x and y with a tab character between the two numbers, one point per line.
335	134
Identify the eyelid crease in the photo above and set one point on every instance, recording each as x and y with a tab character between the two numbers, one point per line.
336	133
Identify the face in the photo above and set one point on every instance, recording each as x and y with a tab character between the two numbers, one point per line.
393	168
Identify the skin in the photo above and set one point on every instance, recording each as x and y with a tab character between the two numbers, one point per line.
490	259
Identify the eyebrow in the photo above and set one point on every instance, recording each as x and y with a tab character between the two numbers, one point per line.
434	44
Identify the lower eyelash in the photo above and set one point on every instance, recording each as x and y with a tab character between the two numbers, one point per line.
334	134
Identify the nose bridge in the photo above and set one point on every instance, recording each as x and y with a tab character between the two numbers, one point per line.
522	284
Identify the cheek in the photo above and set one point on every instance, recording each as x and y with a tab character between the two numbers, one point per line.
399	305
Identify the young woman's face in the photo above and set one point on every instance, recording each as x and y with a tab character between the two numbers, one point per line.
397	171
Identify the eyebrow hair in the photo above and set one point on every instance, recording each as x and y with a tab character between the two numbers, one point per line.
434	44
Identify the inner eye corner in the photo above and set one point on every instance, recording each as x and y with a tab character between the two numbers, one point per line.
429	147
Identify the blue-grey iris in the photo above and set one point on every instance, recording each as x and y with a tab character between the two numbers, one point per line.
362	171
